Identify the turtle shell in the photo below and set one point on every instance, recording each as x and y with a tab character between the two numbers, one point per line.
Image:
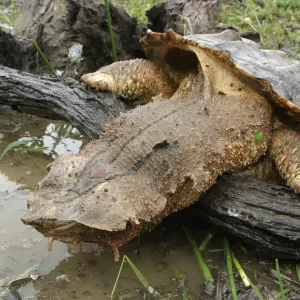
271	71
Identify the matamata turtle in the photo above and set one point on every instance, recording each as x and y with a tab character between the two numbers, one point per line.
211	102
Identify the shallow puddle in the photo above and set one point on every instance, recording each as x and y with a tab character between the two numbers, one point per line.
74	271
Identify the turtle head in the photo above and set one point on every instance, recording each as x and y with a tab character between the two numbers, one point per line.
67	208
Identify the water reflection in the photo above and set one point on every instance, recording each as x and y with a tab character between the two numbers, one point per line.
26	165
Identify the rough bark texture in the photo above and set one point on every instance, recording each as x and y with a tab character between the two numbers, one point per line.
16	53
56	29
264	215
202	14
70	101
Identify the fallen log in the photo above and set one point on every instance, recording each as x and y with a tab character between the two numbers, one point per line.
51	98
264	215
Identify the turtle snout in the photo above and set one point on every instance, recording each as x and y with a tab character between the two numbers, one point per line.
38	223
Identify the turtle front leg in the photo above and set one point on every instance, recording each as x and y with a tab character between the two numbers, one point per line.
285	150
132	79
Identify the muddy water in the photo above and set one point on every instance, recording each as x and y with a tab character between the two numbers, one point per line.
74	272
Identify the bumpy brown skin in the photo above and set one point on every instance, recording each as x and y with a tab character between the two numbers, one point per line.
157	158
151	161
133	79
285	150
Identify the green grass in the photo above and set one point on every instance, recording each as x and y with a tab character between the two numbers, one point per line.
279	279
230	269
277	21
137	8
139	275
111	33
202	264
9	12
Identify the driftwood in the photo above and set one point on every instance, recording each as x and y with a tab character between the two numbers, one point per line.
51	98
266	216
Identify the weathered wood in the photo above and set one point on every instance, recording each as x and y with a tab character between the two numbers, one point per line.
16	53
84	22
266	216
202	14
51	98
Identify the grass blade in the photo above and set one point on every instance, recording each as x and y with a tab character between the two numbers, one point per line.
256	291
199	257
44	58
111	33
184	291
279	279
244	277
298	271
117	279
241	271
36	149
22	276
287	269
13	145
285	292
207	239
184	295
229	269
139	275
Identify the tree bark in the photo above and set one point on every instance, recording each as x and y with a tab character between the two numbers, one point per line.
51	98
202	14
56	29
17	53
266	216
